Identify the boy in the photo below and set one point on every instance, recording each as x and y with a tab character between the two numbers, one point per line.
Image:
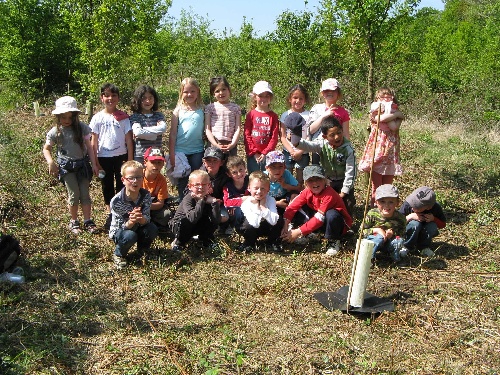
324	208
156	184
384	225
130	215
336	157
213	164
260	215
197	214
283	184
424	216
235	189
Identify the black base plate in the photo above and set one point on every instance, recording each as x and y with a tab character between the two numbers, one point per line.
338	301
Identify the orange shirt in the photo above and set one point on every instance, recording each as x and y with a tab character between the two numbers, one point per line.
157	187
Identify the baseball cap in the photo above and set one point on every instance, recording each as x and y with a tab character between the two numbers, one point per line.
65	104
421	197
386	191
153	154
262	86
213	152
294	121
275	157
313	171
330	84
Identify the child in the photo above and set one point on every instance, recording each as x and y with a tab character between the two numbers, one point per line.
384	225
386	162
148	125
331	92
72	140
337	158
387	105
213	164
131	220
323	207
198	213
222	118
424	216
261	127
297	98
186	130
284	187
156	184
235	189
112	143
260	215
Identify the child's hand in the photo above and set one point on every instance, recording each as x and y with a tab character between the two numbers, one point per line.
381	232
209	199
135	216
282	203
297	155
292	235
53	169
389	233
428	217
413	216
259	158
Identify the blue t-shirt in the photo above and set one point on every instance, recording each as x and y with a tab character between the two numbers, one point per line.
276	190
190	132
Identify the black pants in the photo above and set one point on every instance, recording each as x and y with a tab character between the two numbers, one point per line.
251	234
112	166
349	199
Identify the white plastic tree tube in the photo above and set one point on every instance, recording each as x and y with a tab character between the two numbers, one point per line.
360	278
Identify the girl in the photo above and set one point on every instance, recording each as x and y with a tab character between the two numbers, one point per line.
386	163
222	118
297	98
331	93
148	125
112	143
261	127
72	139
186	129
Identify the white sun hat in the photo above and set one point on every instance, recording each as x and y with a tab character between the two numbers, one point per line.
65	104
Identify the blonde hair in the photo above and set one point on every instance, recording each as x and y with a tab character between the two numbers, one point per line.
259	176
386	91
184	83
131	164
198	173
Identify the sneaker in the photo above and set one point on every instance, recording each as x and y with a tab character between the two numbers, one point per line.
177	247
90	226
107	224
403	253
332	247
427	252
120	262
74	227
275	247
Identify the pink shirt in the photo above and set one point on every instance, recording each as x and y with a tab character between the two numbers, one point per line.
223	119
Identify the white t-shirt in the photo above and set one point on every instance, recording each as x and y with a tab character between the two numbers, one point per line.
111	134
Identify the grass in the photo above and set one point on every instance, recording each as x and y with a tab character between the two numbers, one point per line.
231	313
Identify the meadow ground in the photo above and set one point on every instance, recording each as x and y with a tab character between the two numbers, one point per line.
230	313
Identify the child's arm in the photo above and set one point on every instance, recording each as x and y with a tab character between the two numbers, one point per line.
208	129
284	139
174	122
236	135
92	157
345	128
150	133
47	153
94	141
350	173
129	141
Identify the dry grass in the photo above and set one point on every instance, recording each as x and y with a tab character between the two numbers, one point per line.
231	313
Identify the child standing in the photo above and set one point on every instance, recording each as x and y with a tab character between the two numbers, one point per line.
331	93
74	150
198	213
297	98
323	208
222	118
148	125
424	216
337	157
284	187
112	143
385	144
156	184
260	215
384	225
186	129
131	220
235	189
261	127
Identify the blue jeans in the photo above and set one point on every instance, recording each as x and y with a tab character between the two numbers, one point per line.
391	246
126	238
419	234
333	224
195	161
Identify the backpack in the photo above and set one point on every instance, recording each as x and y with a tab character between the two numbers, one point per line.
9	252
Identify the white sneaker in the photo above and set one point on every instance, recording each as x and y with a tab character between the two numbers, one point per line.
427	252
120	262
332	248
403	253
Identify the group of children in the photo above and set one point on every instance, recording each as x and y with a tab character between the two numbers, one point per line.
215	192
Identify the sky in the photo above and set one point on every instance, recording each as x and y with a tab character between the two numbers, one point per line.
229	13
